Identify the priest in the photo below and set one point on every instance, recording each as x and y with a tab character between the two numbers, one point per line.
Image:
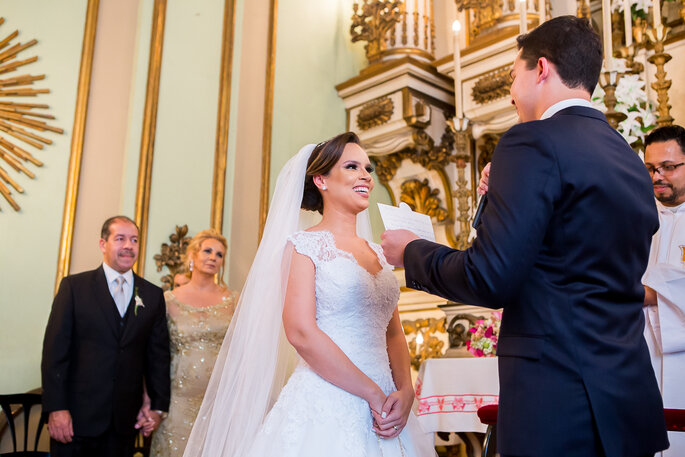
664	279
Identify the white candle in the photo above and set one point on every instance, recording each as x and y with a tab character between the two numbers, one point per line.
606	25
628	22
524	21
542	11
456	28
656	11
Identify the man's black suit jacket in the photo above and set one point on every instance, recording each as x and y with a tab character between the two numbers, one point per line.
94	362
563	243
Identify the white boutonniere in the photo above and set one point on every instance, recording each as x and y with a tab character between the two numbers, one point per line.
138	302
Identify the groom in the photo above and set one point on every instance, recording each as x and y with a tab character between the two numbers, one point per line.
106	334
561	246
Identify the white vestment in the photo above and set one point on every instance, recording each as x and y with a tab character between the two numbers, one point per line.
665	323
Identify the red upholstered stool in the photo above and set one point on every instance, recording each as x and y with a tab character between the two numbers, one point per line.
488	415
675	419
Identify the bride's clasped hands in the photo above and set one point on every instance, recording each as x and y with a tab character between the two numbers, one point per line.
393	415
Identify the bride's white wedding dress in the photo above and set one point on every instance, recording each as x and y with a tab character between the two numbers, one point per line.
312	417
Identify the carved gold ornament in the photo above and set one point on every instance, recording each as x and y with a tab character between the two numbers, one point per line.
422	199
19	122
486	150
376	112
424	345
492	86
371	23
424	153
172	255
486	14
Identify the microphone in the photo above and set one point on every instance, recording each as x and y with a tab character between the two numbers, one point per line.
479	211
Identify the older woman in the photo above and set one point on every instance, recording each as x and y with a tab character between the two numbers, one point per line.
198	315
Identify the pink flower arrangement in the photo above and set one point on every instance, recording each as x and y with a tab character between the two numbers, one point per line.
484	336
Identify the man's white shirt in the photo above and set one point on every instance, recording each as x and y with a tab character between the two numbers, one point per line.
111	274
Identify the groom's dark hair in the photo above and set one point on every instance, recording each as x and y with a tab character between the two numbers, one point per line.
571	45
324	156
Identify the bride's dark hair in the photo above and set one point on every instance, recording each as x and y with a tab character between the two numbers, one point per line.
324	156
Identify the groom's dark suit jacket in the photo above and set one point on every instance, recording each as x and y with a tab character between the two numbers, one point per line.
95	361
562	246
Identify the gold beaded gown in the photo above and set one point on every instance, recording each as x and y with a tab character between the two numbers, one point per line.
195	336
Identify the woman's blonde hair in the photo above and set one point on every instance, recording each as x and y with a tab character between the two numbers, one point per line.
194	247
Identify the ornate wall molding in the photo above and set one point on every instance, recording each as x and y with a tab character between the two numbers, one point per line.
147	141
486	14
424	153
492	86
268	115
78	132
222	118
18	120
171	255
423	199
374	113
431	157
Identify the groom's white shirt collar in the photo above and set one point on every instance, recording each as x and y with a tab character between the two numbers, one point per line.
558	106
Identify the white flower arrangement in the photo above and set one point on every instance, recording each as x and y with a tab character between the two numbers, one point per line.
638	8
631	100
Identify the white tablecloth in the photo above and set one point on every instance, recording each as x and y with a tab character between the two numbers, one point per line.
449	392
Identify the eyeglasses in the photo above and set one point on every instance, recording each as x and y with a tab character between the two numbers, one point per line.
663	170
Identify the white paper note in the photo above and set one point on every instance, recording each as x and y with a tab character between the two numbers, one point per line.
403	218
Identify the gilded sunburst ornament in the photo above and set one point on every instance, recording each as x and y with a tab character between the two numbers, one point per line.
21	124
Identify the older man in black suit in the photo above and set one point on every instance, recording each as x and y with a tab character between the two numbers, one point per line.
106	337
562	246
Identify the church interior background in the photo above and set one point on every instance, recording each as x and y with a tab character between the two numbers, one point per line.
180	115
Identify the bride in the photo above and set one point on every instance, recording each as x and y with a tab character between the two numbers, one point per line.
329	294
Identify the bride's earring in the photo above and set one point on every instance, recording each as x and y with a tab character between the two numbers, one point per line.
191	265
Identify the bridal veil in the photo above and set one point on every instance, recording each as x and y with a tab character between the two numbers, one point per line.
256	358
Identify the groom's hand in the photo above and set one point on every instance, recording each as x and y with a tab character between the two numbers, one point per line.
393	244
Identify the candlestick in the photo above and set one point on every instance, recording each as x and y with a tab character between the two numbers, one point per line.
524	21
628	22
606	25
656	12
542	11
456	28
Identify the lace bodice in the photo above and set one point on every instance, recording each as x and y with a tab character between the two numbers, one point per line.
353	306
313	417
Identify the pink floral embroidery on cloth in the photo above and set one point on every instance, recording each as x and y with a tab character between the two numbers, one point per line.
457	403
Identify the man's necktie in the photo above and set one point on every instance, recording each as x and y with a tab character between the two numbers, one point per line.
119	296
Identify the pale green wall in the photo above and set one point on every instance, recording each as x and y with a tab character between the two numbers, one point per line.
136	107
183	160
313	54
29	239
186	123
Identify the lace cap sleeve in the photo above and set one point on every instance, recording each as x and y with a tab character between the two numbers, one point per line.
315	245
379	252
